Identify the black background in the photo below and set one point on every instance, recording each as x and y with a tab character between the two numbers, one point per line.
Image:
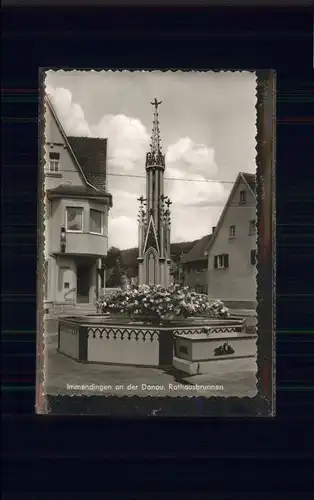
60	454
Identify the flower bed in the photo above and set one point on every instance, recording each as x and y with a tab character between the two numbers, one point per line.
155	304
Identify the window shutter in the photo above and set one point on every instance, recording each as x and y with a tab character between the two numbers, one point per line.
216	261
226	260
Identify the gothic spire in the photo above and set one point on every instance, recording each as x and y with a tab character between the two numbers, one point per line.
155	157
155	147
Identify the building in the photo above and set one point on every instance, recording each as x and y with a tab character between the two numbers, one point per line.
154	217
232	248
76	218
194	266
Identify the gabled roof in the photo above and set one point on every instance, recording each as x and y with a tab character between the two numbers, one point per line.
65	138
250	181
88	154
197	252
91	154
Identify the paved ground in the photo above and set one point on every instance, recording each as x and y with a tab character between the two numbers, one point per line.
228	378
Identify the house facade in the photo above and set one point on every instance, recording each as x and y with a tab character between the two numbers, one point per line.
232	248
194	266
76	217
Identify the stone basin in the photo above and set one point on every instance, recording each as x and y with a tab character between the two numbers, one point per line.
195	354
121	340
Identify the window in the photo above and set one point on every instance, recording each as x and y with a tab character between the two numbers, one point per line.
221	261
252	227
96	224
54	162
232	231
242	197
253	257
74	219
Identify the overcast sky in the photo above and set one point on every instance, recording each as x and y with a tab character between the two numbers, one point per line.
207	123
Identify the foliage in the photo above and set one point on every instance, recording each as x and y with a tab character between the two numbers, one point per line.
156	302
112	256
112	263
128	257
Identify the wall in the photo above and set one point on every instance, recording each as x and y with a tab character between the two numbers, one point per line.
238	281
93	284
66	275
68	170
52	279
59	276
192	278
125	350
69	340
197	349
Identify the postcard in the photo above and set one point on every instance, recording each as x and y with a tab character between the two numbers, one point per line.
156	258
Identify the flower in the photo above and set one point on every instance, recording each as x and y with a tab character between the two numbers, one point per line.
154	301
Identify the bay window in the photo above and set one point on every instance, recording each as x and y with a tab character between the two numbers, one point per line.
96	221
74	219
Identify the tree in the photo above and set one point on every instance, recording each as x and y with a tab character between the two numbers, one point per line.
113	266
113	254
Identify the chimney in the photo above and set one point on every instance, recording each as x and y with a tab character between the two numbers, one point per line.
213	229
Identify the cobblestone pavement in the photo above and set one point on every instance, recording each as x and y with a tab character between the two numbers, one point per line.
238	378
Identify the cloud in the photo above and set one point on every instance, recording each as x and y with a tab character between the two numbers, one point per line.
122	232
127	137
196	202
69	113
195	165
195	158
127	141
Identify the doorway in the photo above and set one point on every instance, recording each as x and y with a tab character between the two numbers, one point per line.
83	283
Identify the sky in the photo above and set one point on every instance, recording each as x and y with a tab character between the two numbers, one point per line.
207	128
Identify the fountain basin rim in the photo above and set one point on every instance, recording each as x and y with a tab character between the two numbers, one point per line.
100	320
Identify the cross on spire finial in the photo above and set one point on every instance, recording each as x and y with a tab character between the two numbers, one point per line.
156	102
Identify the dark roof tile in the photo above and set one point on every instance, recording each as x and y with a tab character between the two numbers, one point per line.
87	191
91	153
197	253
